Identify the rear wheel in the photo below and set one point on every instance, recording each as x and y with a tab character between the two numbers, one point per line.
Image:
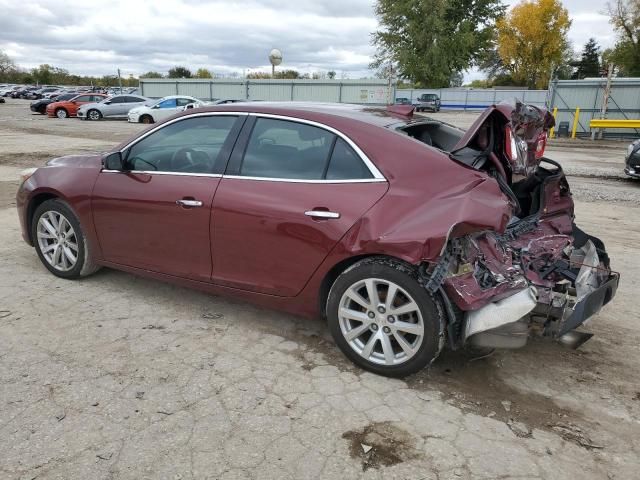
60	242
61	113
94	114
146	119
383	319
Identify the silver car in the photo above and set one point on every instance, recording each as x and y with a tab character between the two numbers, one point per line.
113	107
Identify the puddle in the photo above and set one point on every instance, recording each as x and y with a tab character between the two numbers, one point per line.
381	444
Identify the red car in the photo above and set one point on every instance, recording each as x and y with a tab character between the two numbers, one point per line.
69	108
406	234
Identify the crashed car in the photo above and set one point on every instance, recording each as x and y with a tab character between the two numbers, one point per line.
407	234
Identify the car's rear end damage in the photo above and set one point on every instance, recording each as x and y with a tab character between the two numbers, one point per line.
537	273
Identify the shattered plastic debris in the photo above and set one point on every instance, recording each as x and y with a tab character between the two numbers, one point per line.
587	280
366	448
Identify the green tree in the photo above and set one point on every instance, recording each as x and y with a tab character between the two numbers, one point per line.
203	73
331	74
624	15
179	72
151	75
532	41
589	63
431	41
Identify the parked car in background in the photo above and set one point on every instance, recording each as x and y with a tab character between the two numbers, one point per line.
163	108
8	91
632	160
117	106
402	101
427	101
69	108
217	101
406	243
40	93
40	106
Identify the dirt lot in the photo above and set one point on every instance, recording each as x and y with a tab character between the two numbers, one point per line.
120	377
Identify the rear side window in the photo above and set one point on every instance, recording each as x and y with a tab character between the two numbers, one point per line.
345	164
285	149
133	100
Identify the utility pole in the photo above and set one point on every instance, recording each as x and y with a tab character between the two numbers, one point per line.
605	102
120	81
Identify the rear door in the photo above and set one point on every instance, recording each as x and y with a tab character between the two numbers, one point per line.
291	192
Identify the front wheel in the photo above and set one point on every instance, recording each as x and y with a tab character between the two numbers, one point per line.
383	319
60	242
94	114
61	113
146	119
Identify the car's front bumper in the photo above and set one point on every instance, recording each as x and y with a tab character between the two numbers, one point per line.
80	114
590	305
133	117
632	172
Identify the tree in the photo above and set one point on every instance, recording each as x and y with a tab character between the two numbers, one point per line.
6	64
151	75
589	63
331	74
203	73
431	41
179	72
532	40
624	15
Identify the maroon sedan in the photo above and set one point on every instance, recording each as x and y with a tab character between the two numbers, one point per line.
406	233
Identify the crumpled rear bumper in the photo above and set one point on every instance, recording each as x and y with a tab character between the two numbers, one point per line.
590	305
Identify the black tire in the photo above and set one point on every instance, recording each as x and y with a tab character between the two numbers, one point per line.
61	113
405	276
42	110
146	119
90	112
84	265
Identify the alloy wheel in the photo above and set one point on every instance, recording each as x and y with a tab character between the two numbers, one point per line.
94	115
57	241
61	113
381	322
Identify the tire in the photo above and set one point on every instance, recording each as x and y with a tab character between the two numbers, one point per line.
42	110
93	114
58	260
146	119
61	113
377	335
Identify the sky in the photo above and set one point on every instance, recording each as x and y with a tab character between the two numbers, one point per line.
137	36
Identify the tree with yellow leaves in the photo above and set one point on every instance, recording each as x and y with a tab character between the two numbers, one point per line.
532	40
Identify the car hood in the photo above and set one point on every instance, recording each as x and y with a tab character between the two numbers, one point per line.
78	161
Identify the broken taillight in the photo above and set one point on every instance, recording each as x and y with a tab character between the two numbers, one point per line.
511	147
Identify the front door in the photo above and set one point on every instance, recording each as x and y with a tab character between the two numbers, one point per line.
291	192
156	214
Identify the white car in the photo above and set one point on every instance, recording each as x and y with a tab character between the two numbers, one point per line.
163	108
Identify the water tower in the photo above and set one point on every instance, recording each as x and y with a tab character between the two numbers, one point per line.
275	57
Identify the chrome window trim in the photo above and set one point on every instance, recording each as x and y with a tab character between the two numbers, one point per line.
377	175
301	180
178	174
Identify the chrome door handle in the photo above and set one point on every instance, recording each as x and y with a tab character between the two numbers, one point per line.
321	214
189	203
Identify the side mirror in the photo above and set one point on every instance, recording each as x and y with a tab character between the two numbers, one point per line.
113	161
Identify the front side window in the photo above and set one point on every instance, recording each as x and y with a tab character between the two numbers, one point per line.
133	99
83	98
169	103
116	100
181	102
192	145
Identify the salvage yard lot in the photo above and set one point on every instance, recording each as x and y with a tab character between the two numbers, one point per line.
116	376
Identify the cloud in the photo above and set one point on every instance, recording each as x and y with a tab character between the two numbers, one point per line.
224	36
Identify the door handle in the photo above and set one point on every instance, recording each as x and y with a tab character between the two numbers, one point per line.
321	214
189	203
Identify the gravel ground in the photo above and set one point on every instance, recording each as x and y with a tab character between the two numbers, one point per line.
118	377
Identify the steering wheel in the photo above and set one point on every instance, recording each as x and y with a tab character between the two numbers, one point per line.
184	156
